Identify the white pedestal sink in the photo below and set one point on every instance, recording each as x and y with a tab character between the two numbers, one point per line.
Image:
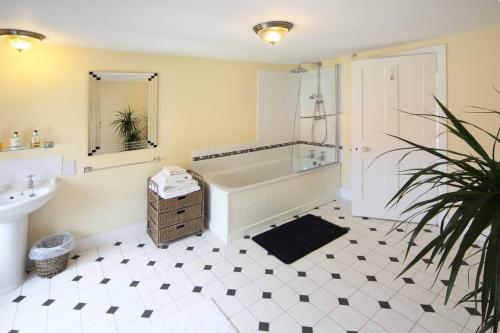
15	206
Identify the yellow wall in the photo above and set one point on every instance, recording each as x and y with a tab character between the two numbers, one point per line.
202	103
473	66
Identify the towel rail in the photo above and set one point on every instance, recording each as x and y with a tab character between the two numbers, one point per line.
319	117
89	169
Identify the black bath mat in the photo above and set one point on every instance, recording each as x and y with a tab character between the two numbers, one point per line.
295	239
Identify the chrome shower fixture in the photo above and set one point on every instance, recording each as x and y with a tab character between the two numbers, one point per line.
319	113
299	69
317	97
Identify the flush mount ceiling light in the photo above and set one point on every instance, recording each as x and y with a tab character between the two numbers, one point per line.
20	39
273	31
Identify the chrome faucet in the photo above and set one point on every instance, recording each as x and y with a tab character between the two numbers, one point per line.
31	185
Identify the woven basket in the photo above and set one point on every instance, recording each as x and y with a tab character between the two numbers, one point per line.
168	234
166	205
51	267
174	216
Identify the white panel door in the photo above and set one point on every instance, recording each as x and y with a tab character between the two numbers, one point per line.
381	89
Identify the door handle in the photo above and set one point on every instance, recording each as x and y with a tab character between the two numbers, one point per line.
365	149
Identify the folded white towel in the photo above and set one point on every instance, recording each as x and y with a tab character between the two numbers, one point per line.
177	193
178	185
173	170
160	178
173	181
174	177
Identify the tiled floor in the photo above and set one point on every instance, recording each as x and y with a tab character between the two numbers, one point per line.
346	286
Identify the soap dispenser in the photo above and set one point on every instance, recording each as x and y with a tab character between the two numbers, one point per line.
15	142
35	140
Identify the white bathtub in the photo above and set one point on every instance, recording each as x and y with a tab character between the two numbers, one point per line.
246	199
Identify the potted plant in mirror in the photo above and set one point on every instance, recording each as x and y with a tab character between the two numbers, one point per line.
128	126
468	212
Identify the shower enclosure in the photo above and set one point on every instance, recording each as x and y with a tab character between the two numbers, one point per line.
316	122
291	168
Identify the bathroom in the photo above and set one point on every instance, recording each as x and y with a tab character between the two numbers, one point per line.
97	214
271	130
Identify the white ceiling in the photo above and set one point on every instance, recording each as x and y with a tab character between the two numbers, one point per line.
223	28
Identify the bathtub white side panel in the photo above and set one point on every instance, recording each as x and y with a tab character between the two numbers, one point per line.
216	211
275	202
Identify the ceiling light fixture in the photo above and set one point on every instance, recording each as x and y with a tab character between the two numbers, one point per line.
273	31
21	39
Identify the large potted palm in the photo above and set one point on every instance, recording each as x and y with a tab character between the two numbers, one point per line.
468	212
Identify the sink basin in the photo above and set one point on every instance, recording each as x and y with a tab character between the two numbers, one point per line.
15	206
18	202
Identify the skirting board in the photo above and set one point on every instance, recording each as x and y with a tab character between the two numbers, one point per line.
346	193
109	237
101	239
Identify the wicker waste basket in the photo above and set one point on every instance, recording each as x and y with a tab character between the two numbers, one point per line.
51	254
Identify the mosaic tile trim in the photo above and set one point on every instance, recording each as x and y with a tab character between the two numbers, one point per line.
327	145
250	150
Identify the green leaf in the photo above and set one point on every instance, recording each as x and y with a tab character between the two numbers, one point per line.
467	211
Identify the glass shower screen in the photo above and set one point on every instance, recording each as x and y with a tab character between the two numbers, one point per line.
317	119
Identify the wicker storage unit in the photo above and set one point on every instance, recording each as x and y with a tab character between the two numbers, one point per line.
171	219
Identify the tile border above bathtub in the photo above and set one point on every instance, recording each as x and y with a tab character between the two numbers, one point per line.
260	148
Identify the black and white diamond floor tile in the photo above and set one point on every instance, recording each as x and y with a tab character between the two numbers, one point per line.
347	285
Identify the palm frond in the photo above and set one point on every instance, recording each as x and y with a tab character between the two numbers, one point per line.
468	212
127	126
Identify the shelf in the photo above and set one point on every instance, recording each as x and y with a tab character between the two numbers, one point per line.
7	149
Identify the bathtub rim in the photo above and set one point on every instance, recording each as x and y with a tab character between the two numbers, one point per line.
208	177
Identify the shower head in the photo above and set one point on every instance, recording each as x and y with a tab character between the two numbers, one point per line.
299	70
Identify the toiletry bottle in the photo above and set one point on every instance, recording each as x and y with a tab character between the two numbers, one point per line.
35	140
15	142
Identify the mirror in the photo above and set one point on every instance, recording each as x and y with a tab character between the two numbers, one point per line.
122	112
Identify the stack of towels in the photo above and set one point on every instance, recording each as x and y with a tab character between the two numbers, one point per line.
174	181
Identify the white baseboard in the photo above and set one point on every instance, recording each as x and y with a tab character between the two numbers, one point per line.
101	239
346	193
108	237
